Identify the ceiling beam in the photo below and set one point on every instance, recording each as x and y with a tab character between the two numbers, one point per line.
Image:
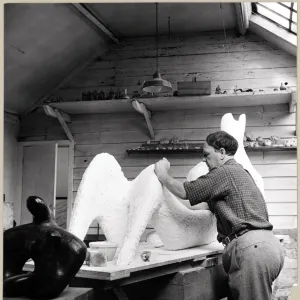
87	12
243	13
11	118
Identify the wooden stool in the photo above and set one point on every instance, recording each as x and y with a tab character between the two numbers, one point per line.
70	293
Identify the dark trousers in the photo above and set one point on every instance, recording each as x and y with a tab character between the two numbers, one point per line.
253	261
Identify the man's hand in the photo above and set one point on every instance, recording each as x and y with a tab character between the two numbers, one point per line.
162	168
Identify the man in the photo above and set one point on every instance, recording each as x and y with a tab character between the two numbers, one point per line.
253	256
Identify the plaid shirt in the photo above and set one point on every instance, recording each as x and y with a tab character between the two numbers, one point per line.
232	196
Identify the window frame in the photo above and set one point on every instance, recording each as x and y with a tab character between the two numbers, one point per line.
290	20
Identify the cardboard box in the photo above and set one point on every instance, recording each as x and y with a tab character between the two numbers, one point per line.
193	88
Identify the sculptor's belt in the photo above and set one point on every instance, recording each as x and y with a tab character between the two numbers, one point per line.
231	237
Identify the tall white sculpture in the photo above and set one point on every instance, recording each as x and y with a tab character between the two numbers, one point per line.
124	208
237	130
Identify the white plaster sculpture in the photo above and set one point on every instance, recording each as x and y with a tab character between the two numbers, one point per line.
144	197
124	208
180	227
100	196
237	130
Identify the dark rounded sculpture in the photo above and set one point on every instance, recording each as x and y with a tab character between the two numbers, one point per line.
57	255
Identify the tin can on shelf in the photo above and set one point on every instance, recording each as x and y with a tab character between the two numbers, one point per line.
97	258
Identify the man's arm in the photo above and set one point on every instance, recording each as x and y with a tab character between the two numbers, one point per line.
174	186
197	191
162	168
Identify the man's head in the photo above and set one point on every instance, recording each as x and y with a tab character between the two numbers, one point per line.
218	148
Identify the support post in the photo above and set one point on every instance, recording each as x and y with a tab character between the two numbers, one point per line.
293	102
141	108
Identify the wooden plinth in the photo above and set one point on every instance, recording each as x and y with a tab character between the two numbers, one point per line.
70	293
196	284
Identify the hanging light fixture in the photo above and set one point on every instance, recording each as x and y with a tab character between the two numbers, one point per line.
157	84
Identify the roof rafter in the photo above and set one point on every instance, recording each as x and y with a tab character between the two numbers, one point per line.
87	12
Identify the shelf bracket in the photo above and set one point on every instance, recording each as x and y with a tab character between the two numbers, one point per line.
293	102
141	108
62	118
49	111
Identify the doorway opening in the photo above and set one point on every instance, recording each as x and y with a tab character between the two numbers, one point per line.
46	171
61	198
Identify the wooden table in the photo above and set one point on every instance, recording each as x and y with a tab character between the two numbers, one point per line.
162	262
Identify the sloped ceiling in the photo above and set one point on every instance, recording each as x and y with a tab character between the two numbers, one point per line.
46	43
43	44
134	20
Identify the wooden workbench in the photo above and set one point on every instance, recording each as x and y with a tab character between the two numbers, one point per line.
173	269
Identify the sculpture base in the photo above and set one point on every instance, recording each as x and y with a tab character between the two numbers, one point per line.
70	293
196	283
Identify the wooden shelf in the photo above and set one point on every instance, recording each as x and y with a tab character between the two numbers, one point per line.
94	107
175	103
274	148
193	150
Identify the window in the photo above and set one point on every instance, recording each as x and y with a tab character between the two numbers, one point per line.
284	14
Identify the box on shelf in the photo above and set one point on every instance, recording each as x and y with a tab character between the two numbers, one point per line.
193	88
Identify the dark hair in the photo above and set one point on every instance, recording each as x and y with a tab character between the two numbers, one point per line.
221	139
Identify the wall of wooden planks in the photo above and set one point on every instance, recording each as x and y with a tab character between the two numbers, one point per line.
251	63
246	62
105	133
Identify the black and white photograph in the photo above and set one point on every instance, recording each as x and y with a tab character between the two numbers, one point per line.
150	151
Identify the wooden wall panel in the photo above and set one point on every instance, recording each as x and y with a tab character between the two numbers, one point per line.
250	63
105	133
245	62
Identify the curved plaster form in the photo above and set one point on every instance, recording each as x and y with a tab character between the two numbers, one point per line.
144	198
237	130
100	196
180	227
122	208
